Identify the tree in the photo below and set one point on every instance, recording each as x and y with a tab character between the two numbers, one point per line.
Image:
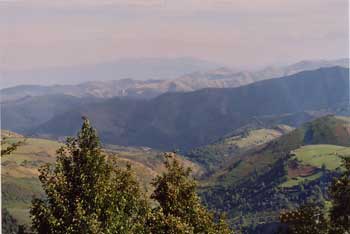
7	147
340	196
180	209
9	223
310	218
307	219
86	193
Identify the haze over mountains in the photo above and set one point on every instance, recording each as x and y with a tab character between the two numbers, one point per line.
186	120
244	133
253	96
135	68
133	87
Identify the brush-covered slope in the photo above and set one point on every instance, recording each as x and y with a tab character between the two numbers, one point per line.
214	156
188	120
281	174
19	171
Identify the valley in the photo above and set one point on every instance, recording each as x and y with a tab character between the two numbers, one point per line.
251	174
175	117
283	173
19	174
255	150
186	120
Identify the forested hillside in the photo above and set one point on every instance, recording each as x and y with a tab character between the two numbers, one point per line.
292	170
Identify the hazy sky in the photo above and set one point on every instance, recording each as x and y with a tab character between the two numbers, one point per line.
50	33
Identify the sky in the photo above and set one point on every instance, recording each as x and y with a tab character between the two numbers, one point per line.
39	34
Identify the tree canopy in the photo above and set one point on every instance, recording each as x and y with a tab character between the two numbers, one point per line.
86	192
180	209
311	219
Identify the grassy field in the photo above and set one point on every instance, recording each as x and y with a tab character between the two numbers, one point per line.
291	182
317	156
255	137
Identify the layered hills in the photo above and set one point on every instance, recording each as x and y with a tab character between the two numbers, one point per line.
187	120
291	170
254	172
132	87
257	149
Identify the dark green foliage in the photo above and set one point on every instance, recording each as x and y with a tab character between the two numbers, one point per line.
327	129
258	196
180	209
307	219
7	148
87	194
311	219
340	196
9	224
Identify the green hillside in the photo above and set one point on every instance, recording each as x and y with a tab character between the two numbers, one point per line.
242	140
280	174
307	162
319	155
20	169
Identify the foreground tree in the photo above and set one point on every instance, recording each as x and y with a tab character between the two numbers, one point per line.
180	209
340	195
87	194
310	219
7	147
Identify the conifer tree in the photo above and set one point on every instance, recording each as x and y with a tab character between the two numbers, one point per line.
85	193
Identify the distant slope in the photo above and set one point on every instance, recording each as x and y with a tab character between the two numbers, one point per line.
188	120
19	171
30	112
153	86
329	130
281	174
100	89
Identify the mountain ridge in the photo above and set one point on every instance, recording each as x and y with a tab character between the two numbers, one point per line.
221	77
187	120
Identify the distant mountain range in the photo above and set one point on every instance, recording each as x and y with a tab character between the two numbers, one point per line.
217	78
186	120
135	68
